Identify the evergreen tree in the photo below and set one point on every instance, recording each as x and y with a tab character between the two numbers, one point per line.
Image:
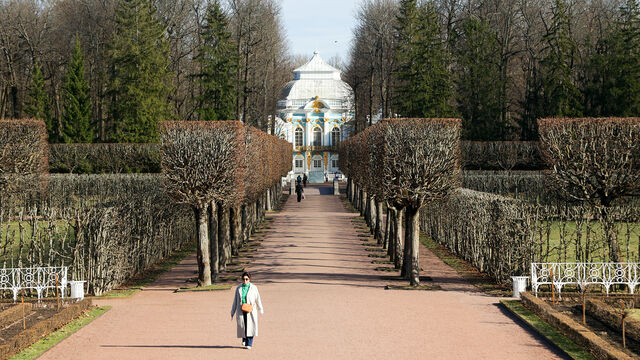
424	83
139	81
479	81
37	104
614	88
560	93
76	120
218	61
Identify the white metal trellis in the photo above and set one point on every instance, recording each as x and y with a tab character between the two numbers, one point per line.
584	274
37	278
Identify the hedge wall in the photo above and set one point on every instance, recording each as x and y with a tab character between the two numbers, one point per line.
490	231
104	158
501	155
106	228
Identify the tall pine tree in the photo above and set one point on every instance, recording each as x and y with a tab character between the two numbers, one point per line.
479	81
614	89
561	95
424	87
76	120
37	104
139	83
218	63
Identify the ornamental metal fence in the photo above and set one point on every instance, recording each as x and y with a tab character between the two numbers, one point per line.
37	278
584	274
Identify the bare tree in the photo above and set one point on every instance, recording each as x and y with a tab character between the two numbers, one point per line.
594	160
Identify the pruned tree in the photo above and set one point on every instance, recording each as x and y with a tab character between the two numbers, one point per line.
422	164
594	160
23	156
203	162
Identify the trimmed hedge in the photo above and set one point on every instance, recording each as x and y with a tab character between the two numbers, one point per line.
501	155
490	231
104	158
517	184
106	228
23	157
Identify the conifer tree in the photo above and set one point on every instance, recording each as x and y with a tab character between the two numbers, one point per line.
139	79
218	61
37	104
76	120
424	83
615	85
479	81
561	95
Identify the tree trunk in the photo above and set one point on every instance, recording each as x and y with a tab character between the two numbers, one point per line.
363	203
204	259
372	214
268	202
609	228
224	236
378	228
411	268
390	232
236	229
213	240
397	260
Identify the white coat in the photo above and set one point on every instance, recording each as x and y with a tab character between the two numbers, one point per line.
253	298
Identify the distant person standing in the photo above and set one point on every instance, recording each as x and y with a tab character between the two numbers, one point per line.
326	177
299	191
304	180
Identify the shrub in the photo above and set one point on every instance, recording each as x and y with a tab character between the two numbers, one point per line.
23	156
492	232
501	155
104	158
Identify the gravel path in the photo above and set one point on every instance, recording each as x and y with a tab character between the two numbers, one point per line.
323	300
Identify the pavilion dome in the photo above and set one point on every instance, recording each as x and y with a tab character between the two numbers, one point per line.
316	78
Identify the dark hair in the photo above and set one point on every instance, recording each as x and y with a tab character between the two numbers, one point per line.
247	274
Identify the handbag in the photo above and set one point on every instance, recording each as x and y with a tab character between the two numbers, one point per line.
246	307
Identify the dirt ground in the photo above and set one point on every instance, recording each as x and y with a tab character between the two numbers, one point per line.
323	299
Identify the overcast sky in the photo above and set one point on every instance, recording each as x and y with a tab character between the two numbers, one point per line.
324	25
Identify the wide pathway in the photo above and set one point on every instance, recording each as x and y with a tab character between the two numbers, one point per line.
322	299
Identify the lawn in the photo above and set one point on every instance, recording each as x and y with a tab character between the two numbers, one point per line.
564	238
10	234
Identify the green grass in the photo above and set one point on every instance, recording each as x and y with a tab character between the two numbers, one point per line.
559	230
563	343
135	284
50	340
465	269
62	229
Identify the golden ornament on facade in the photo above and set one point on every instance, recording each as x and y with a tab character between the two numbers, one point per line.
326	160
317	105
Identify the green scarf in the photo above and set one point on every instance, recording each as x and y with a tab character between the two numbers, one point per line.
245	290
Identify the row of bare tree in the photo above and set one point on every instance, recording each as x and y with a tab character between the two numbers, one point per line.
43	32
229	174
403	163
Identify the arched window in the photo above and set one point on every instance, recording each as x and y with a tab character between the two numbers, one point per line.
335	136
317	137
299	137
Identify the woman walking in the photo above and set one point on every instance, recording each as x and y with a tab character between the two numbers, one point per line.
246	303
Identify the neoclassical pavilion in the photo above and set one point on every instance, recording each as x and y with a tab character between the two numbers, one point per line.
313	111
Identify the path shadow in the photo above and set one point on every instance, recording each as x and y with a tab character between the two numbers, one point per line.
175	346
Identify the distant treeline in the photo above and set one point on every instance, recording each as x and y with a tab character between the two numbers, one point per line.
499	65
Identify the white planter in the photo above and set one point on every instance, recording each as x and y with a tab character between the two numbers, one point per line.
336	187
77	289
519	285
